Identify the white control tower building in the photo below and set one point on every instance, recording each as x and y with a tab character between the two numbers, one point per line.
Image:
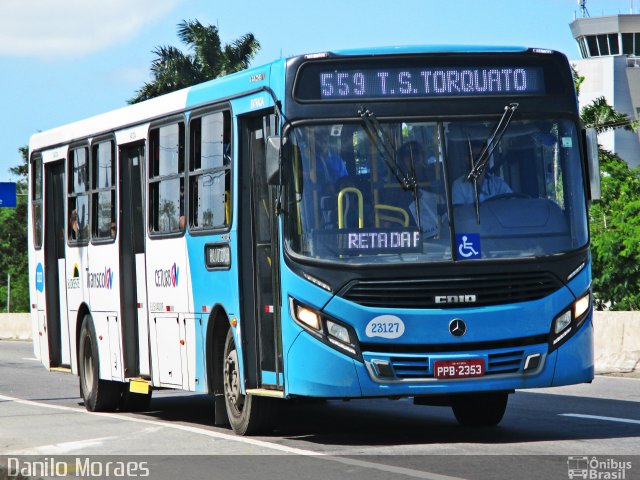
610	51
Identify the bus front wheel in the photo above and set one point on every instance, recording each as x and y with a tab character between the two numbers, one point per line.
481	410
248	414
98	395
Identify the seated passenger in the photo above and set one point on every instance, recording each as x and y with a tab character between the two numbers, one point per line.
322	168
489	185
330	166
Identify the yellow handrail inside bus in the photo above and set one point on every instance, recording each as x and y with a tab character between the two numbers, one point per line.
227	207
389	218
360	206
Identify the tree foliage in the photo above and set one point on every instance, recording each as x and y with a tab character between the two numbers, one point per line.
173	69
615	219
13	245
577	79
615	236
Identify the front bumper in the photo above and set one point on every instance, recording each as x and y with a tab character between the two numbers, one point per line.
316	370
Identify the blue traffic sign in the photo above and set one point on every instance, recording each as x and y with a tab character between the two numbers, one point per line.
7	194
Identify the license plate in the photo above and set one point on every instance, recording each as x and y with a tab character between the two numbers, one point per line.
472	367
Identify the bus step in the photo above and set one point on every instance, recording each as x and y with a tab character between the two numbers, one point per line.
60	369
263	392
139	385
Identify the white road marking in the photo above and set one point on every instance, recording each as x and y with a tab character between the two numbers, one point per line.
635	379
250	441
62	448
31	359
597	417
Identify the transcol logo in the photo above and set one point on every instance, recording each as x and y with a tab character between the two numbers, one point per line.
167	278
101	279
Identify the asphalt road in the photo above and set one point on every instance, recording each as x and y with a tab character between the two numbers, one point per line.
545	434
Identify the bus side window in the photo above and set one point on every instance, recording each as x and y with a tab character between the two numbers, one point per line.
78	196
210	171
103	199
36	199
166	179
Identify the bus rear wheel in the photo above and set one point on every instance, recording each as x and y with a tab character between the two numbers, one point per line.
248	414
98	395
481	410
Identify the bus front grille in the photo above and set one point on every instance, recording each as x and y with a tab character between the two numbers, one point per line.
452	292
416	367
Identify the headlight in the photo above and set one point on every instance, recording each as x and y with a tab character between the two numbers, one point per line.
568	322
330	331
338	331
581	306
307	316
562	322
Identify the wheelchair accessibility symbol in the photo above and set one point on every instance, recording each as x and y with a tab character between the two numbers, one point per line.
468	245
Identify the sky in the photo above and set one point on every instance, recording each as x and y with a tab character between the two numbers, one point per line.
65	60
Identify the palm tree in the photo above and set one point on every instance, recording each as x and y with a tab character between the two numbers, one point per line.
172	69
602	116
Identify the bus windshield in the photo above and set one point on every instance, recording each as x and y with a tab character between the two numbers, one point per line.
353	198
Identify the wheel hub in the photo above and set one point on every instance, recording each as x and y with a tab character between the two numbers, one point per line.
232	381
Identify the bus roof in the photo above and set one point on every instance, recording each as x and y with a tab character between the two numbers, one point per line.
177	102
416	49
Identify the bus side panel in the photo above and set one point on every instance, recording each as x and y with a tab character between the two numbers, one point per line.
167	362
102	282
191	327
36	289
210	288
77	269
42	340
115	350
220	287
103	285
169	296
108	364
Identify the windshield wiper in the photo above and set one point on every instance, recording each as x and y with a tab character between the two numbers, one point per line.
407	180
383	143
480	165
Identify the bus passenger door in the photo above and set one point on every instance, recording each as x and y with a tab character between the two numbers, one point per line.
133	287
56	325
259	286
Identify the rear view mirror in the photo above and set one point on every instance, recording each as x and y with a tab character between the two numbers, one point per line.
593	162
272	167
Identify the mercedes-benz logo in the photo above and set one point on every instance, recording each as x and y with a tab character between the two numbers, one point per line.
457	327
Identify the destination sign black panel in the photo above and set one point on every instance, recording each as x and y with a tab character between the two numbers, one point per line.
337	84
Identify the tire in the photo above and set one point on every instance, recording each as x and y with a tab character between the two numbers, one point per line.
248	415
481	410
98	395
134	402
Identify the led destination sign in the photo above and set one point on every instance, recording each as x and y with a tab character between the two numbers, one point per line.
372	241
430	82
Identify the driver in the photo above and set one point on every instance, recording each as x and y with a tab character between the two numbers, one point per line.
489	185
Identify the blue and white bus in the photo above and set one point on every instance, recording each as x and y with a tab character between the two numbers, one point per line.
393	222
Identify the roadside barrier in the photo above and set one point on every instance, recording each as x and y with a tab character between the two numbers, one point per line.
617	338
